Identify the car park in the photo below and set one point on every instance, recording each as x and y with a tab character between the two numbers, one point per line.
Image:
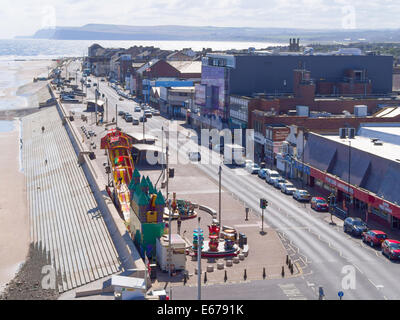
354	226
391	249
319	204
288	188
374	237
301	195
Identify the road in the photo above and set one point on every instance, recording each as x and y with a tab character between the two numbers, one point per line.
330	257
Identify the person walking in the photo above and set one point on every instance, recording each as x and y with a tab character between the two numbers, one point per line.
179	221
42	129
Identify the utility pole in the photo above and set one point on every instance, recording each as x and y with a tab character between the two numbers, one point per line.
348	206
219	200
116	116
198	261
169	238
107	110
167	170
95	100
143	118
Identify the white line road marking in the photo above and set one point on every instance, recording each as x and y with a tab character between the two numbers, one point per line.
358	268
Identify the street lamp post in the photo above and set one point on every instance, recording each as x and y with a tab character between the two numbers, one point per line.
219	199
348	206
198	261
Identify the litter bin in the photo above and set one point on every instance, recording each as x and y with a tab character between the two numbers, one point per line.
171	172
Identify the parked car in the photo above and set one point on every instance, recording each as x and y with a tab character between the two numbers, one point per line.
301	195
253	168
156	113
391	249
135	121
126	114
278	181
248	162
288	188
143	119
262	173
354	226
374	237
121	113
319	204
137	109
128	118
271	176
148	114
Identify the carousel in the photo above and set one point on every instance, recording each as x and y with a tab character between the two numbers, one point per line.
180	209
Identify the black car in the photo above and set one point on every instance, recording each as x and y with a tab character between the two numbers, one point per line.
143	119
354	226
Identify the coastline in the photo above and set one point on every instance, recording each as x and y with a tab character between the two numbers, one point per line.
14	211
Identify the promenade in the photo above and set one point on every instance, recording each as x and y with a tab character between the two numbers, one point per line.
65	220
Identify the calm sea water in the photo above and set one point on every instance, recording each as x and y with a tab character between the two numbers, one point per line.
42	49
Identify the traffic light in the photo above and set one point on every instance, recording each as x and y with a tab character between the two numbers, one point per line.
263	203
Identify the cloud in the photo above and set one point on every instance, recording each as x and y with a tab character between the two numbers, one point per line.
23	17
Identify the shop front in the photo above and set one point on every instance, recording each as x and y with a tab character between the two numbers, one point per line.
347	196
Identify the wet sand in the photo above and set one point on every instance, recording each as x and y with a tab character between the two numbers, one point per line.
14	212
14	217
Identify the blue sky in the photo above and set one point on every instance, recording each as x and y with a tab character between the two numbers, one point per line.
24	17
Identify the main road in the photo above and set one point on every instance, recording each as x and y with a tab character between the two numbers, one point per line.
330	258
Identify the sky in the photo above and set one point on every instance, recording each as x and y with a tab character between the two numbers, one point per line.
25	17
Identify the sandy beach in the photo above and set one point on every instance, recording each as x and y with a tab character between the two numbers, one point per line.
19	96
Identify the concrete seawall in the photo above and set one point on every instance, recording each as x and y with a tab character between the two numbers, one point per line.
127	252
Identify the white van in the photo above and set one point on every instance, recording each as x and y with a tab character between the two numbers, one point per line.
271	175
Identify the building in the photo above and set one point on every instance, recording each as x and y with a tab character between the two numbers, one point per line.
285	81
363	171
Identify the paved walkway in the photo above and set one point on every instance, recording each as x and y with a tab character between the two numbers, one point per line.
65	220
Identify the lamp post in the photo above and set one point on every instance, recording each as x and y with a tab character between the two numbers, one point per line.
198	261
348	206
219	199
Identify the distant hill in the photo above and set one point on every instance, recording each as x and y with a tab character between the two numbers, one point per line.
209	33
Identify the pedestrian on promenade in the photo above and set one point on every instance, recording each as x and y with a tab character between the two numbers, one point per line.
45	162
42	129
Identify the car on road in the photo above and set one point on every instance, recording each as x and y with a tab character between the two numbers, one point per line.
354	226
374	237
271	176
262	173
143	119
135	121
194	156
138	109
148	114
128	118
156	113
391	249
121	113
301	195
126	114
253	168
288	188
319	204
278	182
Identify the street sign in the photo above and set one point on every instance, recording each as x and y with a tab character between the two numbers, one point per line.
340	294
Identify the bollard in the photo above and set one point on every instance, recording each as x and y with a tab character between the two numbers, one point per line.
264	273
205	277
291	269
245	275
226	276
184	280
283	272
287	259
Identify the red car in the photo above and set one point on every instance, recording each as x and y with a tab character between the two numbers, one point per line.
391	249
319	204
374	237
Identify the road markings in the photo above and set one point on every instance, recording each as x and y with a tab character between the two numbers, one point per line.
292	292
358	268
